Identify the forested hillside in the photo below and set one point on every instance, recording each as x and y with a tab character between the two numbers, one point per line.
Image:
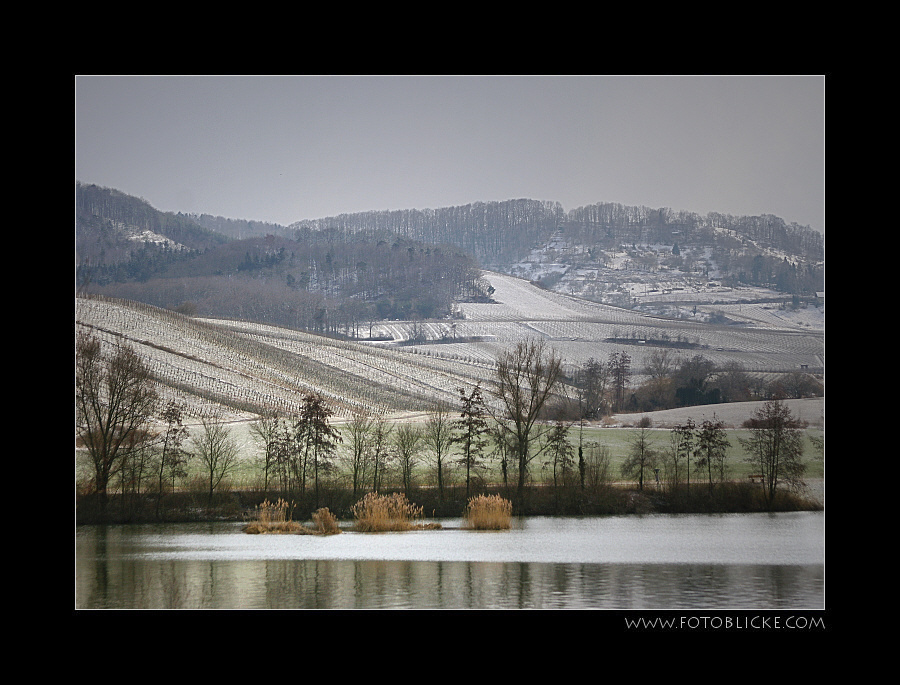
120	238
337	275
495	233
327	281
501	233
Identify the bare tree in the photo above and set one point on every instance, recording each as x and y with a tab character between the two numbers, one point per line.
114	401
560	456
796	384
775	448
358	431
593	379
733	382
136	463
661	363
217	452
684	438
597	471
641	457
503	449
712	448
284	450
437	438
407	439
172	455
380	450
525	378
660	366
267	430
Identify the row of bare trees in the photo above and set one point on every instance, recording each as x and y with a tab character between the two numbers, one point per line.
116	402
299	451
698	449
510	428
134	440
774	449
379	452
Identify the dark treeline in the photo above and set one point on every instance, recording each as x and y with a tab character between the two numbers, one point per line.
542	500
102	213
503	232
672	380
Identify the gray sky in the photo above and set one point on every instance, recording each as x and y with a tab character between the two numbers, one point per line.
286	148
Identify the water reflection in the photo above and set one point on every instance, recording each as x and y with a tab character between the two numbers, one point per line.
215	566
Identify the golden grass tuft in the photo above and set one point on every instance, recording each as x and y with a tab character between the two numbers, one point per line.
259	528
274	512
488	512
276	518
379	513
325	523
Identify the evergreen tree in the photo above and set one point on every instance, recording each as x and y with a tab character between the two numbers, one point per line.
318	437
472	430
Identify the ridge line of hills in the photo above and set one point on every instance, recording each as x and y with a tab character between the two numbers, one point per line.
383	321
334	274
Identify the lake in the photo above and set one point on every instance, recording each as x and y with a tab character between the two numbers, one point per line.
652	562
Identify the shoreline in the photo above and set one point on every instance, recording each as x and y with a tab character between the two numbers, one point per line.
612	500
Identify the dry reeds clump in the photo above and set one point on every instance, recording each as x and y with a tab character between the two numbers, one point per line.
273	517
255	527
274	512
276	518
325	523
488	512
378	513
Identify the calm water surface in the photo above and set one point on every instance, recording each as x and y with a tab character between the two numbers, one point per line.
688	562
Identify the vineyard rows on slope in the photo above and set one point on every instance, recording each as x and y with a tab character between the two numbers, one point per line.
215	367
249	368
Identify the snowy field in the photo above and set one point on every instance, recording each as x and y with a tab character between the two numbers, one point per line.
764	338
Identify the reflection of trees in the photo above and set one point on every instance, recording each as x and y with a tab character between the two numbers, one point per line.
120	582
